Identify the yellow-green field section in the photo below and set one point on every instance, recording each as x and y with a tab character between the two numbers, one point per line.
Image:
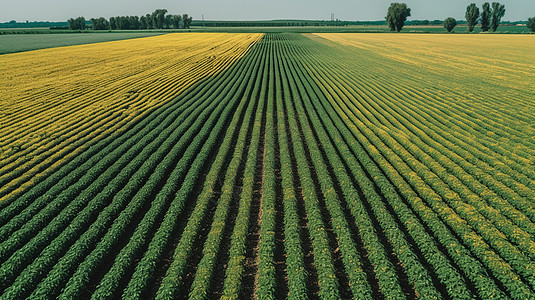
54	101
270	166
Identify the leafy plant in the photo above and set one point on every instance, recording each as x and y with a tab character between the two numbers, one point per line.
449	24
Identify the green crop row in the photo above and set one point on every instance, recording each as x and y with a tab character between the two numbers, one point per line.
145	268
204	275
367	186
172	283
296	270
379	146
145	166
266	281
234	273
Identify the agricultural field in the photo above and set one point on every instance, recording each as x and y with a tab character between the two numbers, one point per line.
269	166
11	43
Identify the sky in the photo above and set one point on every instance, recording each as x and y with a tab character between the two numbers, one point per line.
348	10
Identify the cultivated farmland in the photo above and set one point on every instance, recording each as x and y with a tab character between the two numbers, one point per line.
326	166
11	43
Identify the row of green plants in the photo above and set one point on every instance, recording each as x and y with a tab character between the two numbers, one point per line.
432	139
295	260
18	169
144	270
414	268
451	180
38	159
322	249
172	121
447	168
204	275
172	283
350	255
122	187
232	285
389	156
192	141
267	285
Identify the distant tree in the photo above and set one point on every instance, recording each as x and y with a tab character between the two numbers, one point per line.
176	21
472	14
424	22
158	18
103	23
94	24
498	11
150	24
99	24
168	21
119	22
485	17
186	21
449	24
77	24
113	23
397	15
81	23
72	24
142	22
123	23
154	18
531	24
134	22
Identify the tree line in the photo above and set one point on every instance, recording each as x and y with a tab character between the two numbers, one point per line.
490	17
159	19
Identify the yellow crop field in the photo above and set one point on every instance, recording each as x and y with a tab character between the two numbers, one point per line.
53	100
488	76
504	60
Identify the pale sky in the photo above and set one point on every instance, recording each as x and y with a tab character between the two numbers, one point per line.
351	10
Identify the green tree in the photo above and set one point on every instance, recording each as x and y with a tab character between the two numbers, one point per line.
168	21
113	23
397	15
186	20
176	21
471	15
123	23
81	23
154	18
134	22
498	11
77	24
158	18
485	17
99	24
449	24
72	24
150	24
531	24
94	23
142	22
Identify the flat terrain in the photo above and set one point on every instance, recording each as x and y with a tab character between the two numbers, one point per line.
10	43
325	165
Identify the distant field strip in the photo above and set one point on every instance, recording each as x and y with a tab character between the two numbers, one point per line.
57	102
11	43
313	167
